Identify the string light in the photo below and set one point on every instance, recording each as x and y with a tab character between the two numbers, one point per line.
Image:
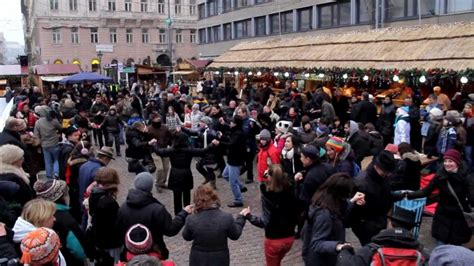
287	74
217	72
236	73
250	73
464	80
422	79
345	76
396	78
259	73
306	75
365	78
321	75
276	74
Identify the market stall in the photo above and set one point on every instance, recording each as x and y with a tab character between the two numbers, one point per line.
47	75
390	61
12	76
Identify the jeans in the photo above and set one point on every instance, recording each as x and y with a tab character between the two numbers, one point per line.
51	156
231	174
114	137
276	249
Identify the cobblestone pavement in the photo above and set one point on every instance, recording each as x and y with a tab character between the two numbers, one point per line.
248	250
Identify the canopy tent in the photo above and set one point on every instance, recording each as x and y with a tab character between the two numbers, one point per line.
85	77
449	46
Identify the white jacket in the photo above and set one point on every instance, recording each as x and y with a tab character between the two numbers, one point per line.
402	132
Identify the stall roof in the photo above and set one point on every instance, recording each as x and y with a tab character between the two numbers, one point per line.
448	46
56	69
13	70
53	78
197	64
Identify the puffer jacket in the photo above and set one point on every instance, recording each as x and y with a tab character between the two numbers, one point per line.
266	156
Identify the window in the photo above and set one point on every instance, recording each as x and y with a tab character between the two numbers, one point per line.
94	35
227	32
201	11
401	8
211	8
305	19
192	7
192	36
325	16
75	35
260	26
365	11
92	5
210	37
113	35
111	5
453	6
275	24
202	35
287	21
241	3
144	5
242	28
128	5
344	13
178	36
261	1
161	6
177	6
216	32
56	36
226	5
428	7
129	35
145	36
162	36
73	5
335	15
54	4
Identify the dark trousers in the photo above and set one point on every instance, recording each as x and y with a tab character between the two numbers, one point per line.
181	198
249	158
206	171
114	137
98	136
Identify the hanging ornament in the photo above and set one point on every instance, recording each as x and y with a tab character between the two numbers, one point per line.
422	79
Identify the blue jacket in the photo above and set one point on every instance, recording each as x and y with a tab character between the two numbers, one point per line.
447	139
86	175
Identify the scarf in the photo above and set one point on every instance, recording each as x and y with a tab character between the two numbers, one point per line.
289	154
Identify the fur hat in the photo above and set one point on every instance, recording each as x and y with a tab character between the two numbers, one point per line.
40	246
336	143
138	239
143	181
386	161
50	189
10	153
454	156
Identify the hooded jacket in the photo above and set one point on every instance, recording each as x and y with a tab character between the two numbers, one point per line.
141	207
46	129
402	127
103	209
15	174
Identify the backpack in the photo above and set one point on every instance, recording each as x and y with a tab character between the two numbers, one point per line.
387	256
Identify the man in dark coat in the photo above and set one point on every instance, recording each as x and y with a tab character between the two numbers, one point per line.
141	207
11	135
364	111
370	219
73	134
359	142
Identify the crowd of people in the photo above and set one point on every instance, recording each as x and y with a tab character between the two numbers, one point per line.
58	194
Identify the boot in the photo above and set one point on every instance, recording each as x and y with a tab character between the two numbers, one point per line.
205	181
213	184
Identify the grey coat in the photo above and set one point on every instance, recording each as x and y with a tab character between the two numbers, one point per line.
209	230
47	131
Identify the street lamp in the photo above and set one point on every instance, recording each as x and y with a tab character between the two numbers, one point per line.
99	55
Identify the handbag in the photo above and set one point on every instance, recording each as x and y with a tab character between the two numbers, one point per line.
468	216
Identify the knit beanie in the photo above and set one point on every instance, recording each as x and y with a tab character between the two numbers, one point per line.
311	152
323	129
336	143
453	155
10	153
40	246
206	120
265	134
451	255
144	182
138	239
50	189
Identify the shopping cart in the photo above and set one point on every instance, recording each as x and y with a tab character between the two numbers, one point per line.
413	205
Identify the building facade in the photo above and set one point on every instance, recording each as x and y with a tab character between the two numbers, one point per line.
106	33
224	23
3	49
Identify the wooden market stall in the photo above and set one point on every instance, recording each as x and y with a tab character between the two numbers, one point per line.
391	60
45	75
12	76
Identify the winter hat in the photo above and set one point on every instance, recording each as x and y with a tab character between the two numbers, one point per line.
453	155
451	255
50	189
385	161
404	218
311	152
322	130
42	110
206	120
284	126
453	116
138	239
144	182
40	246
70	130
68	103
10	153
336	143
436	112
265	134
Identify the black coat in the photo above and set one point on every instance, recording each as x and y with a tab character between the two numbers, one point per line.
65	149
279	215
449	225
137	145
387	120
181	176
141	207
103	209
315	175
360	144
25	193
364	112
11	137
369	219
236	151
209	230
324	230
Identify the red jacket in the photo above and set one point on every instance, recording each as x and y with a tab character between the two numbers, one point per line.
269	152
